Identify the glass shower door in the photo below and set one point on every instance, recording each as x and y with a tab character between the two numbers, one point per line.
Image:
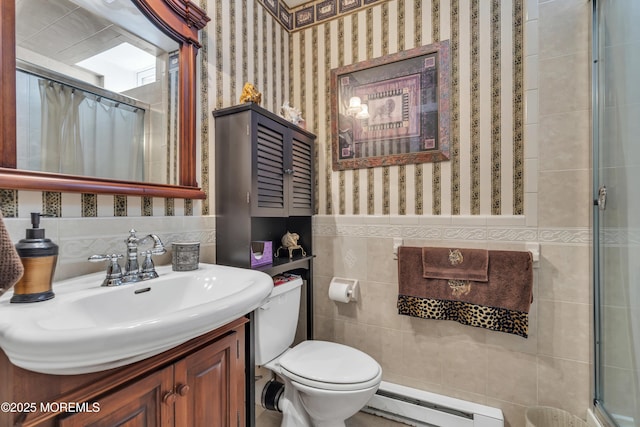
617	210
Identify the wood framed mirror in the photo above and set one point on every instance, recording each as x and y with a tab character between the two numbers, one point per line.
179	19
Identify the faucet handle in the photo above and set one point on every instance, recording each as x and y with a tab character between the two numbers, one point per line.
114	272
148	269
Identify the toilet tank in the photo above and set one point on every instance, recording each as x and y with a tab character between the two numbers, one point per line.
276	321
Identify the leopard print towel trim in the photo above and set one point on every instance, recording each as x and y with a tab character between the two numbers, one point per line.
494	318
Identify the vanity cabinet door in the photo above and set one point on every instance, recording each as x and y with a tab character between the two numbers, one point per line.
210	385
145	403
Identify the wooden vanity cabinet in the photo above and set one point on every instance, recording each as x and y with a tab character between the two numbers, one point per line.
209	387
140	404
199	383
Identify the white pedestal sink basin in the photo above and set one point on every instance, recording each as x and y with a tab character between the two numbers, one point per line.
89	328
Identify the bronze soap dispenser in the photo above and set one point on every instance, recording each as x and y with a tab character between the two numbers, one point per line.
39	257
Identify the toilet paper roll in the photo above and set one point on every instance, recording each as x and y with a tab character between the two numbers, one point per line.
339	291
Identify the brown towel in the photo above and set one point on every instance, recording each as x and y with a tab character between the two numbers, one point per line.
455	264
502	303
11	268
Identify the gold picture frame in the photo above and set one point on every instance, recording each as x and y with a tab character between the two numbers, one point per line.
392	110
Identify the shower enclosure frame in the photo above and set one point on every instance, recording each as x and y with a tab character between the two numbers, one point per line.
599	402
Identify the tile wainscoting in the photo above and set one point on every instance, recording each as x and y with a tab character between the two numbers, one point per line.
79	238
552	367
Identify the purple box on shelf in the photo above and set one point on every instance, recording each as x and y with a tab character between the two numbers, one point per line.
261	253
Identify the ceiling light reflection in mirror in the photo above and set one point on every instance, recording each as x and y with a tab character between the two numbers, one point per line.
82	112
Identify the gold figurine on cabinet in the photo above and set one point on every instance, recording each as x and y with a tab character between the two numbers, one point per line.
250	94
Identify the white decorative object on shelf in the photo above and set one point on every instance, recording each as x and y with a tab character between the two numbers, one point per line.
291	114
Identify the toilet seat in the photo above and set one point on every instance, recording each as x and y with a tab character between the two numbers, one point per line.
330	366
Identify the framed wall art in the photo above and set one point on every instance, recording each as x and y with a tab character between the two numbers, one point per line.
392	110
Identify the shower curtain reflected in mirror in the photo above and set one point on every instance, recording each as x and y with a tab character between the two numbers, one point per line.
62	129
617	221
115	137
61	144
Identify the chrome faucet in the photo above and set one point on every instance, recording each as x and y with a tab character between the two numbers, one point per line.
132	271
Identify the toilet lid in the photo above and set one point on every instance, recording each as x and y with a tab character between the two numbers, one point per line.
331	363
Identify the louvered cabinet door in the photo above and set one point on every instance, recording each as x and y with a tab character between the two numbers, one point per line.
301	176
269	165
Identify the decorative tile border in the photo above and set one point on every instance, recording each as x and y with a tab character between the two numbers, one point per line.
90	205
52	203
147	206
9	203
340	226
119	205
169	206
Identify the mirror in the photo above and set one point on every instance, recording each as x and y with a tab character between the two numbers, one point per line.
179	20
96	83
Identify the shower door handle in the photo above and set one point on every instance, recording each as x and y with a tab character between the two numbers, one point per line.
602	198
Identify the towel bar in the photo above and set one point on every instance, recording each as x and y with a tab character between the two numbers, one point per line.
534	248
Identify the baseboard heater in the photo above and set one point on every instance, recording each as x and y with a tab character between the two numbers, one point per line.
424	409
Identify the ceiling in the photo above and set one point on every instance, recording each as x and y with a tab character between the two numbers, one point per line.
294	3
68	33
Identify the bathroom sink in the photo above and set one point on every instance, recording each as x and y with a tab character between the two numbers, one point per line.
90	328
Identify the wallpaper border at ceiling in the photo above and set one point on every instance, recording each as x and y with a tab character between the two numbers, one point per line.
313	12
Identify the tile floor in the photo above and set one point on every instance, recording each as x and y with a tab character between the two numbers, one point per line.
361	419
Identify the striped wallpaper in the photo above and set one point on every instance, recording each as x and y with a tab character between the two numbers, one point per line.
245	42
485	173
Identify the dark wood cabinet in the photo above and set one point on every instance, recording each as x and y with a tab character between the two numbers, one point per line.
282	159
199	383
264	164
264	189
264	185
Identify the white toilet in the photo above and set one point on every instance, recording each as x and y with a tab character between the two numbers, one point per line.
324	383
